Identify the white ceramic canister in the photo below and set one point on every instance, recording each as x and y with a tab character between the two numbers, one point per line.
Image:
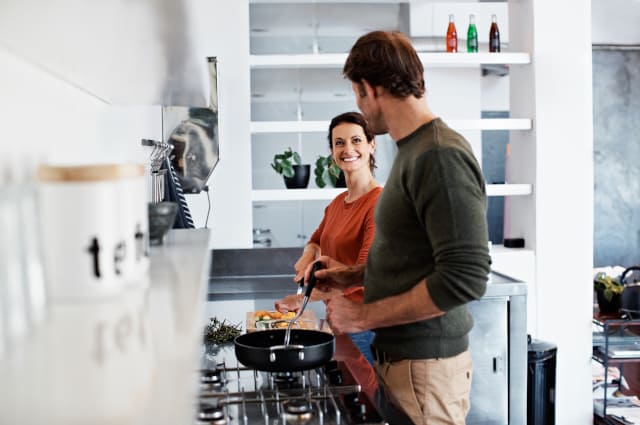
81	228
134	214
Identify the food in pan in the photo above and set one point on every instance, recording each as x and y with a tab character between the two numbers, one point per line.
273	315
267	319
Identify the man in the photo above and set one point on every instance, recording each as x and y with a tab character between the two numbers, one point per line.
430	256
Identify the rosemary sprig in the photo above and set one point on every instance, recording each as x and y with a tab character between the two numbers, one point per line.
217	332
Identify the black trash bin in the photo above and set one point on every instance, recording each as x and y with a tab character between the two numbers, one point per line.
541	382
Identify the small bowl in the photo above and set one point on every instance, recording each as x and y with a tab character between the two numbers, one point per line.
162	215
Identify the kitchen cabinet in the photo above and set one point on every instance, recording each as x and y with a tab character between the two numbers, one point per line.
499	350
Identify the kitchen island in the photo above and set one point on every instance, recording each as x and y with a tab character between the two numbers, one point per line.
129	359
252	279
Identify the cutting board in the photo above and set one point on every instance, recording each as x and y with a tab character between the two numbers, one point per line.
308	320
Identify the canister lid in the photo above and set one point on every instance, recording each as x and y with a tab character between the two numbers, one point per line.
85	173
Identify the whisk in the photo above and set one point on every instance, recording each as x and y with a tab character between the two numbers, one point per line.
158	155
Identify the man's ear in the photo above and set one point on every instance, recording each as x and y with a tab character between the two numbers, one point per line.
369	90
361	90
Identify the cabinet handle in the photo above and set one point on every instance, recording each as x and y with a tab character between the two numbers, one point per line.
497	364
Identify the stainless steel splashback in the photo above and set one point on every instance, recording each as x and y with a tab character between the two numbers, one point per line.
119	51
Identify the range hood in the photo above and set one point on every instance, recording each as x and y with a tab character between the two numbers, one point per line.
123	52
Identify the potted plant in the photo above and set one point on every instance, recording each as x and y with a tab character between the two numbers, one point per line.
327	171
289	165
608	291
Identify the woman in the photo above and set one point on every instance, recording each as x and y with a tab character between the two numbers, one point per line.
347	228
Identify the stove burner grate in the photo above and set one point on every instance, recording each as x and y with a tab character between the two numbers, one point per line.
297	410
239	395
209	414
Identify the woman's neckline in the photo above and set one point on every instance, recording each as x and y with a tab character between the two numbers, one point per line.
372	186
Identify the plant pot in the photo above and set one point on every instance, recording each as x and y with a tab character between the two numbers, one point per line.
300	179
342	181
608	307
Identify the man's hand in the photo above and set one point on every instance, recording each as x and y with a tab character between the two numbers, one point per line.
346	316
408	307
334	274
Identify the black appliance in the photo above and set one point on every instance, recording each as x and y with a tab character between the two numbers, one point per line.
541	382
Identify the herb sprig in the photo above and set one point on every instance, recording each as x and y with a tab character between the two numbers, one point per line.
217	332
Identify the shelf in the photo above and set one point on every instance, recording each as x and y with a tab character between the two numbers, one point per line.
601	358
322	126
328	194
295	194
509	189
429	59
615	341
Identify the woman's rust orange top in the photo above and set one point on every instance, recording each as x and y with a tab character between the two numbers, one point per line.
346	232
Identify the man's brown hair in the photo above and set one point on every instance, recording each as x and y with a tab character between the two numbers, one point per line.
386	59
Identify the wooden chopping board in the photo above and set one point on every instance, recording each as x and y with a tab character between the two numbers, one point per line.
308	320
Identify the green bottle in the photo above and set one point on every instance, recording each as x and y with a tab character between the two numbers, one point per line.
472	35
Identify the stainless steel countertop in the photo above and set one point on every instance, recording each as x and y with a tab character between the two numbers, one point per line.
277	286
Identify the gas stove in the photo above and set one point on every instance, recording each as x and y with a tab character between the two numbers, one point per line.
232	394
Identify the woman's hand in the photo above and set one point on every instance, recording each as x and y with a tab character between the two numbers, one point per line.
309	254
289	303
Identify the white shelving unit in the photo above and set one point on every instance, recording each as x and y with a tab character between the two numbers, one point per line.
328	194
429	60
258	127
285	81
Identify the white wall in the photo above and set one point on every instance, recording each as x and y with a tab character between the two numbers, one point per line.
557	155
225	34
615	21
49	116
49	119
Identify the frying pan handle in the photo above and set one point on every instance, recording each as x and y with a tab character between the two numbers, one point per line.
624	273
275	348
312	279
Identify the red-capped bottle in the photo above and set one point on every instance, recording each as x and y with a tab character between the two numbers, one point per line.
494	35
452	36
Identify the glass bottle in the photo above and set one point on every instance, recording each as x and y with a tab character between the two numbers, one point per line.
472	35
494	35
452	36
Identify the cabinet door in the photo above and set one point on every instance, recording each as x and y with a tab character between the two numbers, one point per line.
489	349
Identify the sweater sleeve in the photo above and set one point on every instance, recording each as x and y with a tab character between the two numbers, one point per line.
449	193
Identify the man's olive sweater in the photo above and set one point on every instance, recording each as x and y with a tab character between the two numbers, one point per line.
430	223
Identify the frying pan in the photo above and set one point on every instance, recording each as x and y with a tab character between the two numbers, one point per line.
307	349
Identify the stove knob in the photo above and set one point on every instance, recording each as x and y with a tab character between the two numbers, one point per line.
331	365
352	399
361	414
335	377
